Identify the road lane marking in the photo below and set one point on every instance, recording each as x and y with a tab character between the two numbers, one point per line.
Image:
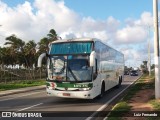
22	96
29	107
108	102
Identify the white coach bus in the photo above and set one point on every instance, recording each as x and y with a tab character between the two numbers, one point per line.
82	68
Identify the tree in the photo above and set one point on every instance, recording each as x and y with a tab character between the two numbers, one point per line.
44	42
153	66
15	48
15	43
5	56
145	64
43	45
52	35
144	67
30	52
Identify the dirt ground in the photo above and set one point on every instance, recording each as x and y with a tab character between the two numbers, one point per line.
139	102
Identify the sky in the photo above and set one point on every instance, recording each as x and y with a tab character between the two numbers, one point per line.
126	25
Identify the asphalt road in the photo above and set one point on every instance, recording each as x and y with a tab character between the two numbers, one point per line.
38	101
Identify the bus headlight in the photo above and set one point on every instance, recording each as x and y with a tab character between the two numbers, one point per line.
50	88
85	89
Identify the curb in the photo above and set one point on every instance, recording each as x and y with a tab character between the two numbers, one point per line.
21	90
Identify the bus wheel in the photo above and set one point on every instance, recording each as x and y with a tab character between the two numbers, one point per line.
102	90
119	83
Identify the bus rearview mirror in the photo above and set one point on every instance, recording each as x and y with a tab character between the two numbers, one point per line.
92	58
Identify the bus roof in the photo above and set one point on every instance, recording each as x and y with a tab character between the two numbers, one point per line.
74	39
79	40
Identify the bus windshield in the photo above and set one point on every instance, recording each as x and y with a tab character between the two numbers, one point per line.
71	48
69	68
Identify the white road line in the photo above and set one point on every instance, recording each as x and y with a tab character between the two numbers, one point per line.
21	96
29	107
107	103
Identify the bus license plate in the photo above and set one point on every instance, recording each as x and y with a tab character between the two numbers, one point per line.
66	94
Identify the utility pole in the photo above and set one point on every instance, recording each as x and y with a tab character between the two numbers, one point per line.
149	59
156	49
149	52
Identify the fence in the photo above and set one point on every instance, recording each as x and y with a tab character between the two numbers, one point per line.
8	75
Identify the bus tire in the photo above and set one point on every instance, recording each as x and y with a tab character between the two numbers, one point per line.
119	83
102	90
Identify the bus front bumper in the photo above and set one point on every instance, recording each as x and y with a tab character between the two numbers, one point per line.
71	94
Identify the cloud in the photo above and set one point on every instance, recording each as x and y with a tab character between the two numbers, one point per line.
146	19
135	31
89	24
131	35
29	21
89	27
56	14
32	21
134	57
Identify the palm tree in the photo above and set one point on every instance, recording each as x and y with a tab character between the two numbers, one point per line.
16	43
145	64
43	45
16	47
3	55
30	52
52	35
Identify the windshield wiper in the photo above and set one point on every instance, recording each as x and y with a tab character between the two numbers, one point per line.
72	74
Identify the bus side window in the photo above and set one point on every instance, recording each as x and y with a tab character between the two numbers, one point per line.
95	72
96	67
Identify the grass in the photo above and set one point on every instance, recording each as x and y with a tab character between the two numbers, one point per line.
155	104
21	84
119	110
123	107
153	118
139	85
